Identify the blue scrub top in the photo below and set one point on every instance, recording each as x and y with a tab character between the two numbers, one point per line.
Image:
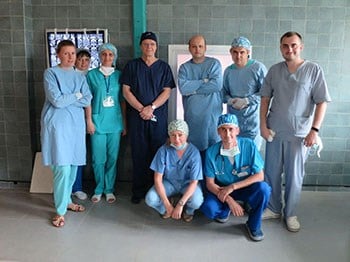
62	118
247	162
202	101
245	82
178	172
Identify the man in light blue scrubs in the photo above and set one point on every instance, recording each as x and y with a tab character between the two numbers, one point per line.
200	84
242	82
294	100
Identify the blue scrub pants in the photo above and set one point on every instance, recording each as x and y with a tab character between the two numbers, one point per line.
63	179
78	184
254	197
153	200
146	137
105	148
286	157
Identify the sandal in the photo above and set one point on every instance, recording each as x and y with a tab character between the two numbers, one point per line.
186	217
166	215
76	207
96	198
110	197
58	221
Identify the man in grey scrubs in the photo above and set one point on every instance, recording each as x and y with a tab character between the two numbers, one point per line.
294	99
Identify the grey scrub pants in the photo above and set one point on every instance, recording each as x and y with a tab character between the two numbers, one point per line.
286	157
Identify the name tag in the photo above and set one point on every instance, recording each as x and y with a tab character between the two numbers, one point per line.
108	101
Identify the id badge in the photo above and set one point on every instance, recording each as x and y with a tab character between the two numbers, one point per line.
108	102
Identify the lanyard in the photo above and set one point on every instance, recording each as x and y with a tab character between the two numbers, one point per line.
107	83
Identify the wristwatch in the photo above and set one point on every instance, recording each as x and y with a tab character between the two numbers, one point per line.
153	106
181	203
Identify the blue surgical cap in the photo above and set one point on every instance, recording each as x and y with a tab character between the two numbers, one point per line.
110	47
228	119
241	42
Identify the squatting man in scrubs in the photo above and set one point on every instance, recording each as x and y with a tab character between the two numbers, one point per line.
177	168
235	178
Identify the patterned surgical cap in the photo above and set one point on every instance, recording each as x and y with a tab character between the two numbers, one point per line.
228	119
178	125
241	42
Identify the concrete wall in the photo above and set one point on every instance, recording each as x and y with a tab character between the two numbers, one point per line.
325	26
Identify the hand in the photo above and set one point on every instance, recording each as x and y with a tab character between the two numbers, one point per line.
236	208
169	208
90	127
311	139
224	192
318	142
146	113
239	103
176	214
265	132
271	136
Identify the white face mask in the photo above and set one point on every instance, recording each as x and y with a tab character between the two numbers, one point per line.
230	152
106	70
84	72
181	147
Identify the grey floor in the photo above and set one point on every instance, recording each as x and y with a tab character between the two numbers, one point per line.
126	232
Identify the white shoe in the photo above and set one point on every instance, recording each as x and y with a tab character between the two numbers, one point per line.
80	195
269	214
293	224
110	197
96	198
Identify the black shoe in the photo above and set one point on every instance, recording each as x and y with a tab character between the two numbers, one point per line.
135	200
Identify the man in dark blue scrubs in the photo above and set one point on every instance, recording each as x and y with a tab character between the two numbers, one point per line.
147	82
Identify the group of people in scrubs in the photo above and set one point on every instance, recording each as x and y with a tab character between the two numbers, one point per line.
233	167
78	101
208	161
293	95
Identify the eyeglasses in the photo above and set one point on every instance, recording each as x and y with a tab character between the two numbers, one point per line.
149	44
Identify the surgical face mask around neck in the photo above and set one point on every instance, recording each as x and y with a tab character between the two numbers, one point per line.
84	72
106	70
230	152
181	147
